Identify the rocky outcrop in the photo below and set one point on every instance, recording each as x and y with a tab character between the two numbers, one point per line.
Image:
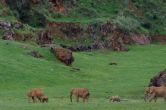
117	43
10	25
8	35
141	39
159	38
5	25
66	30
18	25
58	5
64	55
103	35
44	38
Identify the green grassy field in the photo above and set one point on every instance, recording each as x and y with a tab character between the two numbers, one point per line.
20	72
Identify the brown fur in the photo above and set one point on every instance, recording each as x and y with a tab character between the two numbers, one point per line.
146	93
80	93
159	79
152	93
35	93
115	99
44	99
64	55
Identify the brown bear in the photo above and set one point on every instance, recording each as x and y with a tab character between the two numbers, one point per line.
152	93
35	93
115	99
80	93
44	99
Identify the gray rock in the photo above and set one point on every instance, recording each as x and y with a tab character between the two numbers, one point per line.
5	25
8	35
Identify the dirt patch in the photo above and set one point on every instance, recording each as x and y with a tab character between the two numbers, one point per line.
159	38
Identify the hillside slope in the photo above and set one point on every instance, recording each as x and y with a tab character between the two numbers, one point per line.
80	23
20	71
147	16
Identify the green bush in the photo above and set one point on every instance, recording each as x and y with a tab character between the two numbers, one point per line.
22	10
86	11
127	23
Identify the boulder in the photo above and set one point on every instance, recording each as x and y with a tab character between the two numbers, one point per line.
66	29
64	55
8	35
5	25
10	25
18	25
45	38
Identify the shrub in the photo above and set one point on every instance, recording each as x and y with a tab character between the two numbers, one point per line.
22	10
86	11
127	23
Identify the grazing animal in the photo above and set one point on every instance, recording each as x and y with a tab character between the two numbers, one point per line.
35	93
115	99
44	99
80	93
152	93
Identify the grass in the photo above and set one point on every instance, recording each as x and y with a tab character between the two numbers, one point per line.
20	72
